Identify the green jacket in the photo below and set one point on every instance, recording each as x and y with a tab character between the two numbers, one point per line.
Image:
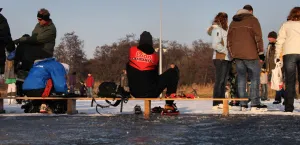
44	38
270	56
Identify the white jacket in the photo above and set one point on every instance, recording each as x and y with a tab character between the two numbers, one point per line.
288	40
217	35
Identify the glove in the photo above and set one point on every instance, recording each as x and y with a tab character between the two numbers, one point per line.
264	66
262	57
17	41
276	60
23	39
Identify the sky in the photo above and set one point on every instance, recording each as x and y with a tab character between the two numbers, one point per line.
100	22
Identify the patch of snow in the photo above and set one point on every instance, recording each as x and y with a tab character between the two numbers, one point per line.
185	107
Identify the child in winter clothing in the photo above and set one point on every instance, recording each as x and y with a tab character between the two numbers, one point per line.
264	84
82	89
72	82
281	93
90	85
10	77
227	93
124	80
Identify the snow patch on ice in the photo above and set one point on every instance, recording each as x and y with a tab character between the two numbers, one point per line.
185	107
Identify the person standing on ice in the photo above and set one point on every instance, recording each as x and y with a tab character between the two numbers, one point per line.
288	43
124	80
221	57
5	40
142	73
72	82
245	45
90	82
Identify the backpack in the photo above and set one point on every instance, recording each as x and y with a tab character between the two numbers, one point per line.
111	90
108	89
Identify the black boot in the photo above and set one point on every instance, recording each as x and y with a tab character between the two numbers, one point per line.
276	102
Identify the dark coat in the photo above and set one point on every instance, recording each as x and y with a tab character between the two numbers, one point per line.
5	41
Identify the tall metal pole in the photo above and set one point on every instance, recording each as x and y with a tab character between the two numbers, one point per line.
160	45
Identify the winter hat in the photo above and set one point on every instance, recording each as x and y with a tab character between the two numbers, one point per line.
248	7
272	35
45	17
26	35
146	38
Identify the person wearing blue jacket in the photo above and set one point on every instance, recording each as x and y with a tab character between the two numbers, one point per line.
43	70
36	85
221	57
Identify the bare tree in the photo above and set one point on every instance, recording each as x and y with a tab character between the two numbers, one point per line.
70	50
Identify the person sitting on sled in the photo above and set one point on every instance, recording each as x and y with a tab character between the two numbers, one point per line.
45	77
142	72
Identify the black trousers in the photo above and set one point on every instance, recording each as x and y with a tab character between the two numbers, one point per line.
169	79
290	63
221	77
279	95
34	93
19	85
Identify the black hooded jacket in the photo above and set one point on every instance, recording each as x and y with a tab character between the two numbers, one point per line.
143	83
25	56
5	41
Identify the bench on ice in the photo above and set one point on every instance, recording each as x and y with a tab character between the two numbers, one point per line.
71	102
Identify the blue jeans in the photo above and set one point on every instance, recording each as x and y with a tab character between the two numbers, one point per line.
251	67
290	63
222	70
264	91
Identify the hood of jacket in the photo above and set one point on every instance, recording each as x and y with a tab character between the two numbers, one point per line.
241	15
146	43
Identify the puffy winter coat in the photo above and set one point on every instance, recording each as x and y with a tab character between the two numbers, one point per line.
44	70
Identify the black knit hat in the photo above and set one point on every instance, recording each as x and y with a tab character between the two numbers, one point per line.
146	38
248	7
272	35
26	35
45	16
